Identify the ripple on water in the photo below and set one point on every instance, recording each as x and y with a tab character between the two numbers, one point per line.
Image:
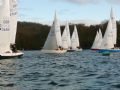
86	70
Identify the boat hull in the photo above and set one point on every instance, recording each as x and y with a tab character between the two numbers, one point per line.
11	55
53	51
72	50
95	49
109	50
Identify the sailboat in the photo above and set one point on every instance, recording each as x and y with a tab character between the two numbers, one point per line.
98	40
53	43
107	42
75	45
110	37
6	49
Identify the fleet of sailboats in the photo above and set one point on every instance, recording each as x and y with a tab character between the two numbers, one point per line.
8	24
55	42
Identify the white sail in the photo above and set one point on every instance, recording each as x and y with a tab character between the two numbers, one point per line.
51	42
54	37
114	26
4	26
94	46
73	41
107	42
68	34
100	39
13	20
76	35
57	30
64	40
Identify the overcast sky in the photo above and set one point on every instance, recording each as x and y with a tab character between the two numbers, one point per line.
43	10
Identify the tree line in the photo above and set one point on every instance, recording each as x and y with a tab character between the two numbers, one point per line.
32	36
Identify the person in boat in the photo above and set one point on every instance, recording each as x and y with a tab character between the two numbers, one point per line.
13	47
70	48
115	45
59	48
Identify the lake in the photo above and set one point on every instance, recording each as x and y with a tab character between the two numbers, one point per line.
86	70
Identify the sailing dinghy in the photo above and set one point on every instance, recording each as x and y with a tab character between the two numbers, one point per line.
53	43
7	49
98	40
75	45
110	37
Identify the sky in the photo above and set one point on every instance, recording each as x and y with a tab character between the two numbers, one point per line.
67	10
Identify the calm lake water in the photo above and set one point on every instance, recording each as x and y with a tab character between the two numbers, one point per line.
87	70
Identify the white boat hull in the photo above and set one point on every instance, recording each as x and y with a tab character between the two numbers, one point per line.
10	55
53	51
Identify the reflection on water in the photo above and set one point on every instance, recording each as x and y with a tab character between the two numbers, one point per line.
85	70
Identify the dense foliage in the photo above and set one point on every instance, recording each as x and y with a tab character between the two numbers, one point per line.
32	36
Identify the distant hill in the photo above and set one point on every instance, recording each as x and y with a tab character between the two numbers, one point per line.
32	36
85	22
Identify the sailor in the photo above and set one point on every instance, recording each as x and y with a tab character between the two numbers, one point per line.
13	47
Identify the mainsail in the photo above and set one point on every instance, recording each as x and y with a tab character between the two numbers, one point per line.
94	46
64	39
75	39
4	26
98	40
13	20
68	34
57	30
76	35
107	42
54	39
51	42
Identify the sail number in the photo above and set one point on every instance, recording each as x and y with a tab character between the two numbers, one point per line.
5	29
5	25
13	13
5	21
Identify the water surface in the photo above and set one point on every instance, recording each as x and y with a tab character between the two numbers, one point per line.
86	70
